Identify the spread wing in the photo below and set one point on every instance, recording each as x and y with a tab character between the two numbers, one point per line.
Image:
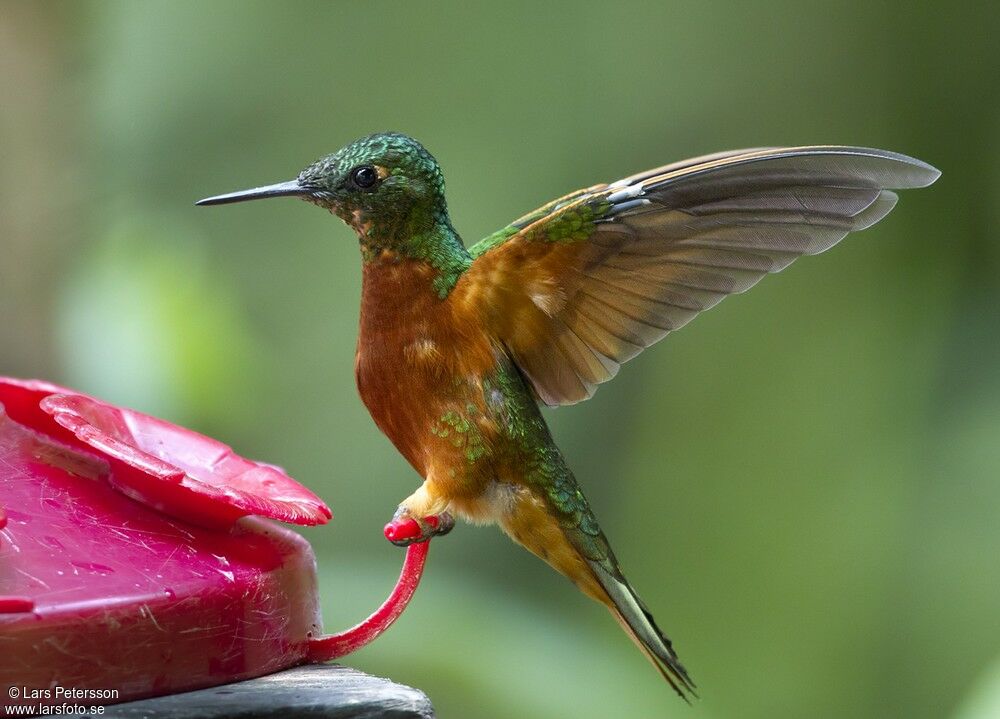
586	282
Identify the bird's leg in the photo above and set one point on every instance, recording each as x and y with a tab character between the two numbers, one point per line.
421	516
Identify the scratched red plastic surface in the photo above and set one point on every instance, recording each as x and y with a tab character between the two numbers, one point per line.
127	561
98	590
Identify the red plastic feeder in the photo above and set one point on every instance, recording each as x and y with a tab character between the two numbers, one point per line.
128	564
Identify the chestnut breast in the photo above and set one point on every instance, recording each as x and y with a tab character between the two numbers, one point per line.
419	358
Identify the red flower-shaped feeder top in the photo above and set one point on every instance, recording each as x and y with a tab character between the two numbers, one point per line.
173	470
182	473
54	444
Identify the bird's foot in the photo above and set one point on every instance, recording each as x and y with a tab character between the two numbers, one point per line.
405	529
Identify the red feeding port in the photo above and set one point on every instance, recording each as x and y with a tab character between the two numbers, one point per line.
128	562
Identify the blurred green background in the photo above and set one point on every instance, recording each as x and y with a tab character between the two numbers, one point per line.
803	484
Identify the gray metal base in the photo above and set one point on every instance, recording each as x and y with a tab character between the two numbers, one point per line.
330	691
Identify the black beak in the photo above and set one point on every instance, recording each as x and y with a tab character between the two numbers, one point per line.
292	188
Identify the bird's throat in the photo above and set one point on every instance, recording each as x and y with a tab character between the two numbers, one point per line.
436	245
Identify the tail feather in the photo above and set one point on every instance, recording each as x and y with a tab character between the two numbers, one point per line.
572	543
639	624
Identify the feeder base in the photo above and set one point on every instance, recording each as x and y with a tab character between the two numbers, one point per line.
323	691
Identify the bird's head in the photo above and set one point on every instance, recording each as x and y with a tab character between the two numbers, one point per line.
386	186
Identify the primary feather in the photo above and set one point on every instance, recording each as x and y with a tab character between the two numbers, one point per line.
587	282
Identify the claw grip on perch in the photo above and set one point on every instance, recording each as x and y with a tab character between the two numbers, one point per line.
406	530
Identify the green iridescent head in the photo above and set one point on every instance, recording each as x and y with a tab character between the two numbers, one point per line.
386	186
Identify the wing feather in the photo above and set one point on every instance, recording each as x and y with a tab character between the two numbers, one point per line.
583	284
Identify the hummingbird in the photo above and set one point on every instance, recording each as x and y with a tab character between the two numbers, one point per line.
458	348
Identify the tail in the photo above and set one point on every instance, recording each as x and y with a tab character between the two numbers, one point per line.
587	560
566	536
638	623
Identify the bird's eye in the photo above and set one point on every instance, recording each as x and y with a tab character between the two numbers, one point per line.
364	176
